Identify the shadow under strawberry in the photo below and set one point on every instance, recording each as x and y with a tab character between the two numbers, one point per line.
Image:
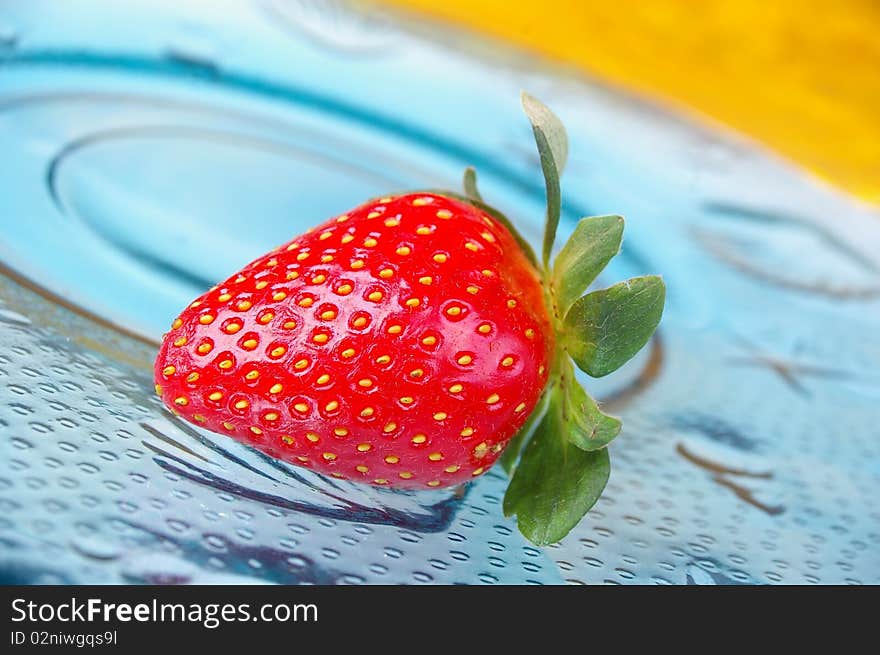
253	475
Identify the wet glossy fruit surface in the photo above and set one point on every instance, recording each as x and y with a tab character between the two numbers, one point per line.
402	344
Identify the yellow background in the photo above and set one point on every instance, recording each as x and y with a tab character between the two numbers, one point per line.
802	76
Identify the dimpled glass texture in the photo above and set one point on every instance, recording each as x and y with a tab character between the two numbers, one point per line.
152	150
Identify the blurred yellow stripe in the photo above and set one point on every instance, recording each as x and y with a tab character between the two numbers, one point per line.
802	76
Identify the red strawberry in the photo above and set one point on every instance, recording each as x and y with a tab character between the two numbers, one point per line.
403	343
407	342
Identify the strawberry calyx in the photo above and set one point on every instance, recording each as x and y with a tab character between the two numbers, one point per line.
558	462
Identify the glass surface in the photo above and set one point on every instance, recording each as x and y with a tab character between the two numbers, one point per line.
151	149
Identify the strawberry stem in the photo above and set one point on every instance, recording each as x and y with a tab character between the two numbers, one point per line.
470	184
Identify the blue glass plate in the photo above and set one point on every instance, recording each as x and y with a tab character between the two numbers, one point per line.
150	149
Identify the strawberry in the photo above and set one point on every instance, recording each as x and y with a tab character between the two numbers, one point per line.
402	343
409	341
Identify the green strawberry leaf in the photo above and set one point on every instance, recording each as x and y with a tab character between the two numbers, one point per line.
605	329
552	143
587	426
470	184
511	453
556	482
593	243
510	456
